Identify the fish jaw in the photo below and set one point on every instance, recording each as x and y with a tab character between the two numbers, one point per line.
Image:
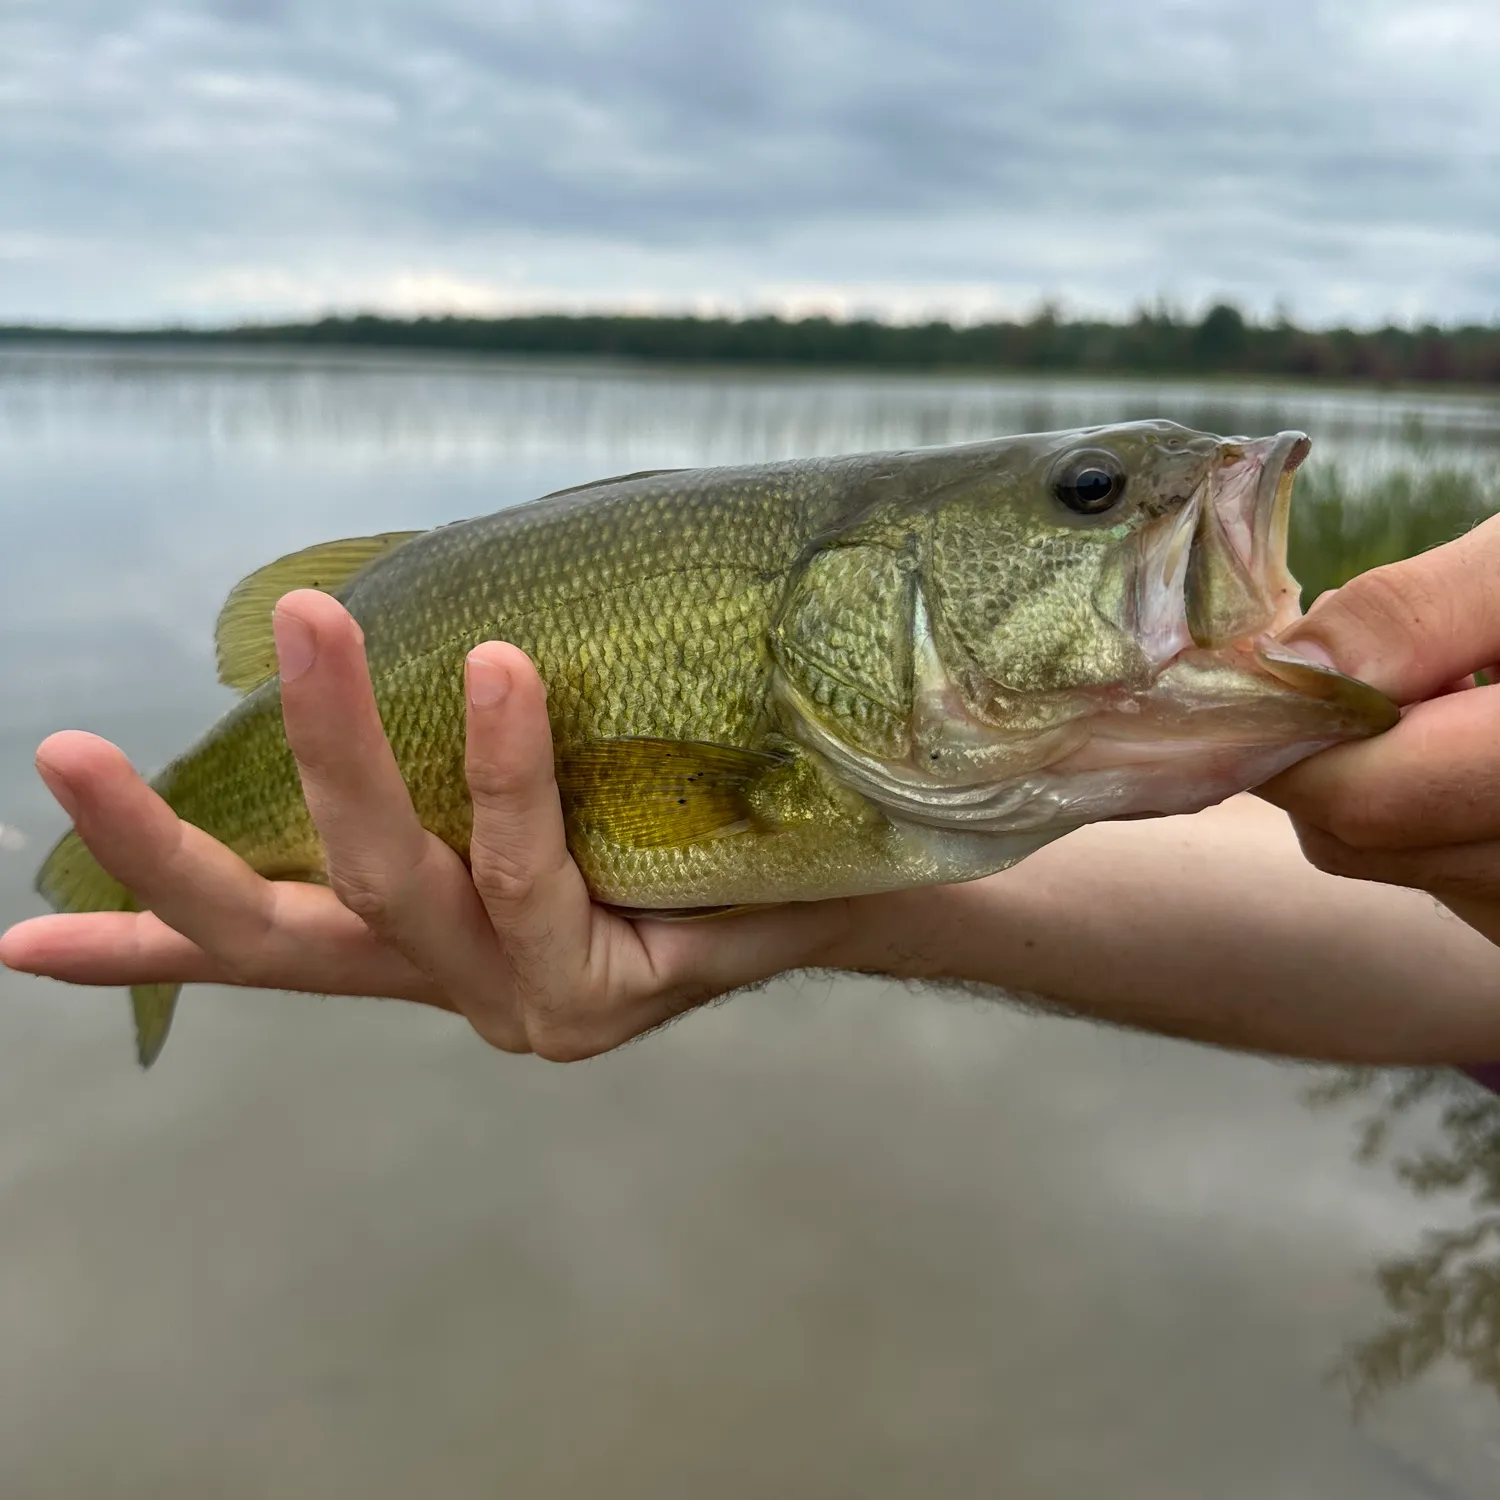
1231	705
1225	707
1216	723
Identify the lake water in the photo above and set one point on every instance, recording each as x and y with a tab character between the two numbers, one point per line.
833	1239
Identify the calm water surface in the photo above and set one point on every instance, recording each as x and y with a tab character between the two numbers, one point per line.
829	1240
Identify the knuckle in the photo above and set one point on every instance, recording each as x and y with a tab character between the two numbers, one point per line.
1327	852
1402	617
505	875
240	963
242	958
563	1043
1401	593
503	1035
562	1028
1359	821
371	896
497	779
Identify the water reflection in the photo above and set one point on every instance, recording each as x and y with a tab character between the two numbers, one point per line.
832	1239
452	410
1443	1295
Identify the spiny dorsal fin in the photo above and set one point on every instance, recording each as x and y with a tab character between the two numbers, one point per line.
598	484
661	794
247	654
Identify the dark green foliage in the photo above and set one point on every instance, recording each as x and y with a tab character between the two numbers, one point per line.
1222	340
1155	342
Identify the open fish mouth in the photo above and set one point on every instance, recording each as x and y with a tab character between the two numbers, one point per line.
1237	582
1215	589
1228	705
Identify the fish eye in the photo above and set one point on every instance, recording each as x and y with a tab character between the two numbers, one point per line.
1089	483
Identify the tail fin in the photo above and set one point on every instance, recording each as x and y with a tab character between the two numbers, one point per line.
72	880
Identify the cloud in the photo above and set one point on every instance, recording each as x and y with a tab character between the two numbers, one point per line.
207	160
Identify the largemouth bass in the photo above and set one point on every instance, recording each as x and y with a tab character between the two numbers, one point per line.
792	681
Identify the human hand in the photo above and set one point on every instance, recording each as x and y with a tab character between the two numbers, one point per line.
513	942
1420	805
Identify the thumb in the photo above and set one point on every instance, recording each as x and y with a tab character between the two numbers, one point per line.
1413	628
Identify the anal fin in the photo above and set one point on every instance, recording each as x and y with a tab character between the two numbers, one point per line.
154	1006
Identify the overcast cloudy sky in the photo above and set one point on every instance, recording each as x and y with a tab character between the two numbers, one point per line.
208	159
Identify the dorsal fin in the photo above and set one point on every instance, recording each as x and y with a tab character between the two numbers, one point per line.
598	484
247	654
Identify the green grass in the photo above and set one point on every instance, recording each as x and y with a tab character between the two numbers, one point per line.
1338	531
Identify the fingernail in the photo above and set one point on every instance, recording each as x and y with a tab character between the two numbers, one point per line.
1310	650
489	682
296	646
67	799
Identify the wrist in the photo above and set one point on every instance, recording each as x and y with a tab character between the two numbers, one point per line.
903	934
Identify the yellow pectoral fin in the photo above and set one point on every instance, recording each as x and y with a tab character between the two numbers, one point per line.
661	794
246	651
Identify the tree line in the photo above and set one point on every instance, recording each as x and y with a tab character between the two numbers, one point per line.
1222	342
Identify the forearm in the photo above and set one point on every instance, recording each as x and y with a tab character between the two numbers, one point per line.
1214	928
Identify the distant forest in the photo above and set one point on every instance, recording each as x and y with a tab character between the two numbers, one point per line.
1223	342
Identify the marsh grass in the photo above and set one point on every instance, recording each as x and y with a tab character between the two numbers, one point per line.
1340	529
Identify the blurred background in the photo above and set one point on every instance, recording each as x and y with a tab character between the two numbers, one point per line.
835	1238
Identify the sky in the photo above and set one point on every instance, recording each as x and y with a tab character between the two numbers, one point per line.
206	161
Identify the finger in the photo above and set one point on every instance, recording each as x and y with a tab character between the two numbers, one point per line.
316	946
1410	627
199	894
352	784
114	947
1431	780
191	881
1464	876
533	893
403	882
675	967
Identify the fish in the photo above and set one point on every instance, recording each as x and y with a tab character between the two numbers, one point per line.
813	678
